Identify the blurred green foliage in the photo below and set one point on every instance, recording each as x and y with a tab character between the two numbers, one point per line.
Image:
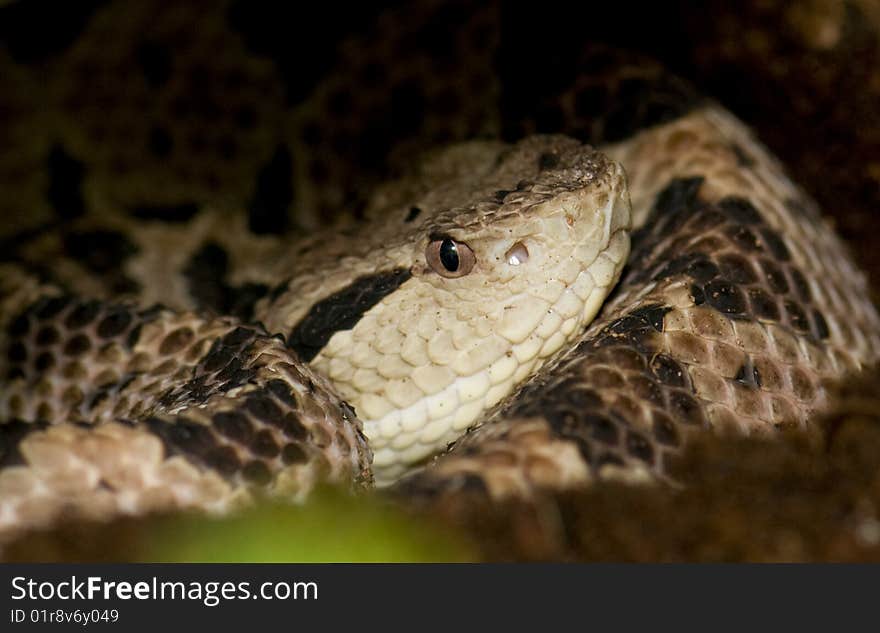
330	527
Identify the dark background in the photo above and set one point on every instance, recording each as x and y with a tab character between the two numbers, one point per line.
804	74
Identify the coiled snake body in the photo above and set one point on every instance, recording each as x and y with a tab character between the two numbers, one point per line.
466	300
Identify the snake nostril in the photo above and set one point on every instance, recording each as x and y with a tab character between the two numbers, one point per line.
517	254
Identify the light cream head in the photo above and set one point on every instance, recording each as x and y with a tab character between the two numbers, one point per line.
501	266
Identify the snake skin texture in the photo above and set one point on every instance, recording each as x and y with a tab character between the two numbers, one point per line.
109	409
162	354
224	412
423	364
727	319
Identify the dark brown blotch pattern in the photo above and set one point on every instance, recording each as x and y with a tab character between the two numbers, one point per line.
226	365
621	401
57	345
627	396
737	263
249	442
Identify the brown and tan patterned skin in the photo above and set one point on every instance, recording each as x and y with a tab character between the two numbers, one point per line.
109	409
726	320
738	303
419	355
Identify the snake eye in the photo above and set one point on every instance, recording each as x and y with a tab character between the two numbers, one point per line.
449	258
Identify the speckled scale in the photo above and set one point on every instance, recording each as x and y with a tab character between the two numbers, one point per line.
166	410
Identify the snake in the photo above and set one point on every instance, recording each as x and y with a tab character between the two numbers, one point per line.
501	316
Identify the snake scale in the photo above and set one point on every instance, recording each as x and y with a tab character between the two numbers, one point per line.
501	316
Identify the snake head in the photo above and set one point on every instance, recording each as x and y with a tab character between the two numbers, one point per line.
473	297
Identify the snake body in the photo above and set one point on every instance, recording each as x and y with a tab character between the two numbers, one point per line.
444	342
737	312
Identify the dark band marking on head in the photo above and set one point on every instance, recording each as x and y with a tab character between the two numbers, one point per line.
342	310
